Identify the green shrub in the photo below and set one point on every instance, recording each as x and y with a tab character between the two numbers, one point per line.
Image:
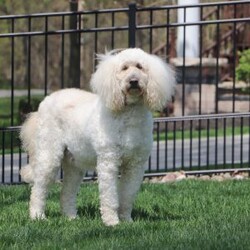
25	107
9	140
243	69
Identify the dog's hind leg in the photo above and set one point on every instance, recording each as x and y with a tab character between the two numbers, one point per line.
45	150
44	176
72	179
45	165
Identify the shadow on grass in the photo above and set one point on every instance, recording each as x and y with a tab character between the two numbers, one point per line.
143	215
90	211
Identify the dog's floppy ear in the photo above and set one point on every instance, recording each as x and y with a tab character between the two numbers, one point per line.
103	82
161	84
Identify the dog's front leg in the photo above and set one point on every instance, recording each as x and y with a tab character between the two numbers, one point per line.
130	182
107	169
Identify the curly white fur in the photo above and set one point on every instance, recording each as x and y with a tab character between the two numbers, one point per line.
110	131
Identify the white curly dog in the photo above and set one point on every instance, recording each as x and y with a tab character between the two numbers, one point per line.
109	130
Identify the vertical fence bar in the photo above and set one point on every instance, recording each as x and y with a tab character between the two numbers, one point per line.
217	59
167	53
184	62
174	146
62	52
234	56
191	145
168	36
79	27
29	62
12	72
249	128
208	141
149	164
46	57
62	66
216	83
249	139
166	146
158	146
241	141
200	63
132	25
12	97
20	160
234	82
11	156
233	140
113	32
151	32
183	87
3	156
224	142
200	87
96	33
74	64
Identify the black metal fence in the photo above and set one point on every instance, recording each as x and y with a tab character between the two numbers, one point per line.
208	124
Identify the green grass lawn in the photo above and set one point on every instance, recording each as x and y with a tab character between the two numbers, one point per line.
191	214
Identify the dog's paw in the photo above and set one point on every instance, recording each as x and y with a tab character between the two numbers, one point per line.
37	216
72	217
111	222
109	216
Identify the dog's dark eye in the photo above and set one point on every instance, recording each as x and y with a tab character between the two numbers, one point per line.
124	67
138	66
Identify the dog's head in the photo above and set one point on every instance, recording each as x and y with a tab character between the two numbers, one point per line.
131	76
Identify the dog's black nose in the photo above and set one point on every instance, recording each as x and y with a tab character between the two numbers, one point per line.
134	84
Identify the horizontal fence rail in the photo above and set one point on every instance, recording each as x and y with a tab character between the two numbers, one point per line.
207	126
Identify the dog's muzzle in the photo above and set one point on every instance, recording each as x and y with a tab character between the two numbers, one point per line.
134	84
134	87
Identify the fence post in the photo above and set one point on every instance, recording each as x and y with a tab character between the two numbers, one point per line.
74	65
132	25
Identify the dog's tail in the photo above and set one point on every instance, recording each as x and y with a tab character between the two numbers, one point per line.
27	174
28	138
